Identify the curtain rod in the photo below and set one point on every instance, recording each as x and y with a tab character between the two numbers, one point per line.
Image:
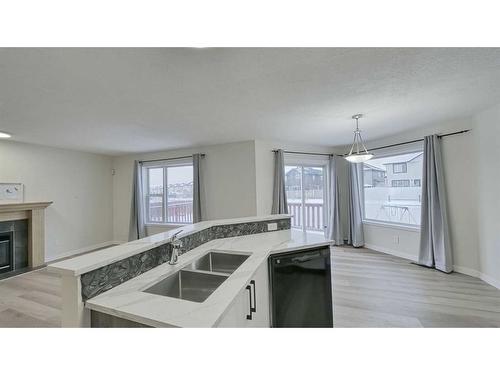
414	141
304	153
376	148
166	159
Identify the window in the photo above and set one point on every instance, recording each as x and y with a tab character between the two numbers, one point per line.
168	191
391	199
305	193
400	183
399	168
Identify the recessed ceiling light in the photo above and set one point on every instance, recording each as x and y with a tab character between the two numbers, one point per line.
5	135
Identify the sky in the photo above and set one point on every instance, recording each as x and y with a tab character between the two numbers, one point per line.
175	175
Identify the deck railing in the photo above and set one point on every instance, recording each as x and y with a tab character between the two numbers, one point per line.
182	212
313	216
177	212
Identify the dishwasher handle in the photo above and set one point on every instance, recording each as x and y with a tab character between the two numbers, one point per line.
306	258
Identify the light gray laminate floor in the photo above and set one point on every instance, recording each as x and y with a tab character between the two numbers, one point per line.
370	290
378	290
31	299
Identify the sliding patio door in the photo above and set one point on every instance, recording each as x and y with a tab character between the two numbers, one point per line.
305	186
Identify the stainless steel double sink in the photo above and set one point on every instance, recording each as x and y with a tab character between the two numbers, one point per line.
199	279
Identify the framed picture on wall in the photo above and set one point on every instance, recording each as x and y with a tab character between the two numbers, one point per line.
11	192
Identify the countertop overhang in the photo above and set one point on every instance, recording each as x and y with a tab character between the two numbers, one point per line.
91	261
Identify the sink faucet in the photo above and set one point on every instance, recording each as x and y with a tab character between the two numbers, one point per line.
176	245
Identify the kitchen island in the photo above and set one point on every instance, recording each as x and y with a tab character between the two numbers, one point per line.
240	300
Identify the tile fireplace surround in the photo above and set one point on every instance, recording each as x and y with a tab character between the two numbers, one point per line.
13	245
34	213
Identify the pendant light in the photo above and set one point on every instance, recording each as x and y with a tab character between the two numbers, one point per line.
358	153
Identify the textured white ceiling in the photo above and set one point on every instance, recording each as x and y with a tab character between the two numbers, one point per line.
135	100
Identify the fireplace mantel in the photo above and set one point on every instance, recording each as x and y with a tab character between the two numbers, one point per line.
24	206
34	212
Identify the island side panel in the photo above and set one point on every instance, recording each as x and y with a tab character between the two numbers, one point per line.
74	313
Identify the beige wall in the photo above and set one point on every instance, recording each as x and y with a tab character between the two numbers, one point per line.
92	207
238	180
470	167
229	171
487	149
460	166
80	184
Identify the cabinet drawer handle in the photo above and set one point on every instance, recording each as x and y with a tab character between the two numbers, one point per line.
254	308
249	288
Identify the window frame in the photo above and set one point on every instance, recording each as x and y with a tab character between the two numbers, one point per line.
415	148
405	169
145	179
147	196
403	180
310	161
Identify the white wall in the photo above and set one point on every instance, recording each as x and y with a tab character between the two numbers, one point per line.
401	242
230	187
80	184
92	207
487	143
238	180
460	166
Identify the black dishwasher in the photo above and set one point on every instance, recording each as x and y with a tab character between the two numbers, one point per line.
301	288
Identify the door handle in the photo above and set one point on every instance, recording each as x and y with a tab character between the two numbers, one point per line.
254	308
249	288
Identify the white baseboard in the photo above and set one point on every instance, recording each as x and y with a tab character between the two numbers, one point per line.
392	252
490	280
467	271
81	250
460	269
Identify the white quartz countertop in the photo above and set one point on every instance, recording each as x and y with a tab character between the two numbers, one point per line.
91	261
128	300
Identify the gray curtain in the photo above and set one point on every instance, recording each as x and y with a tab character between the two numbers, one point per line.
198	200
435	246
355	236
279	195
334	228
137	228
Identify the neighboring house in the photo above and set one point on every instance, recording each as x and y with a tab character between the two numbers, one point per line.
405	173
180	190
313	178
373	176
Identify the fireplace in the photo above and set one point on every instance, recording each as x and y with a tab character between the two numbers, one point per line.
13	246
6	252
27	222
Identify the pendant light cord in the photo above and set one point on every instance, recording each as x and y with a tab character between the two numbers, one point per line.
357	140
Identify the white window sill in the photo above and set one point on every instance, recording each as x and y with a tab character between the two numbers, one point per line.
384	224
